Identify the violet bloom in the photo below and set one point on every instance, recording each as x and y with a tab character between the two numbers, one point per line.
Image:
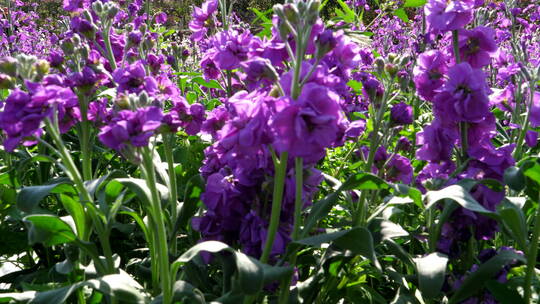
131	128
477	46
75	5
443	15
21	119
306	127
436	142
189	117
215	120
201	16
535	110
429	73
231	48
401	114
161	18
133	79
463	97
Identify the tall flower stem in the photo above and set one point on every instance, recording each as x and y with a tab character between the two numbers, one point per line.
279	185
532	254
168	144
159	226
108	46
298	204
463	127
75	176
525	127
86	140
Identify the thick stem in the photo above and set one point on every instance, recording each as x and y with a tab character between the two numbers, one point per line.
173	190
532	253
279	185
108	46
525	127
75	176
162	244
298	204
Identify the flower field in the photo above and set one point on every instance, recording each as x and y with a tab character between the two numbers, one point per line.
319	151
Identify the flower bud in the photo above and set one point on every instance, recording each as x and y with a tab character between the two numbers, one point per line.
6	82
134	38
129	27
379	65
122	101
8	65
291	13
392	57
313	7
143	27
325	43
76	39
278	10
113	10
42	67
144	100
97	7
67	46
391	69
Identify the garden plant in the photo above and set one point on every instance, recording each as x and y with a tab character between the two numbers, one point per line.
320	151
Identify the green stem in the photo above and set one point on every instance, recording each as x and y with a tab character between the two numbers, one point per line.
168	143
75	176
86	140
532	253
298	204
108	46
462	125
279	185
162	244
525	127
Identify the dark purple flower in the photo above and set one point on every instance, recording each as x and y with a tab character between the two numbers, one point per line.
199	24
133	79
477	46
429	73
161	18
436	142
401	114
306	127
131	128
443	15
464	96
535	110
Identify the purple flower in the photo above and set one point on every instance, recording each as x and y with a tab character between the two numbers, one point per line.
443	15
401	114
133	79
531	138
230	49
189	117
215	120
463	97
201	17
131	128
307	127
429	72
535	110
75	5
161	18
436	142
477	46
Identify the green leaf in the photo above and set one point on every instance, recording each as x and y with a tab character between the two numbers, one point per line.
476	280
431	273
250	273
503	293
49	230
533	173
514	178
458	194
364	181
358	240
401	14
382	229
182	290
318	211
414	3
140	188
29	197
349	15
513	218
212	84
76	210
